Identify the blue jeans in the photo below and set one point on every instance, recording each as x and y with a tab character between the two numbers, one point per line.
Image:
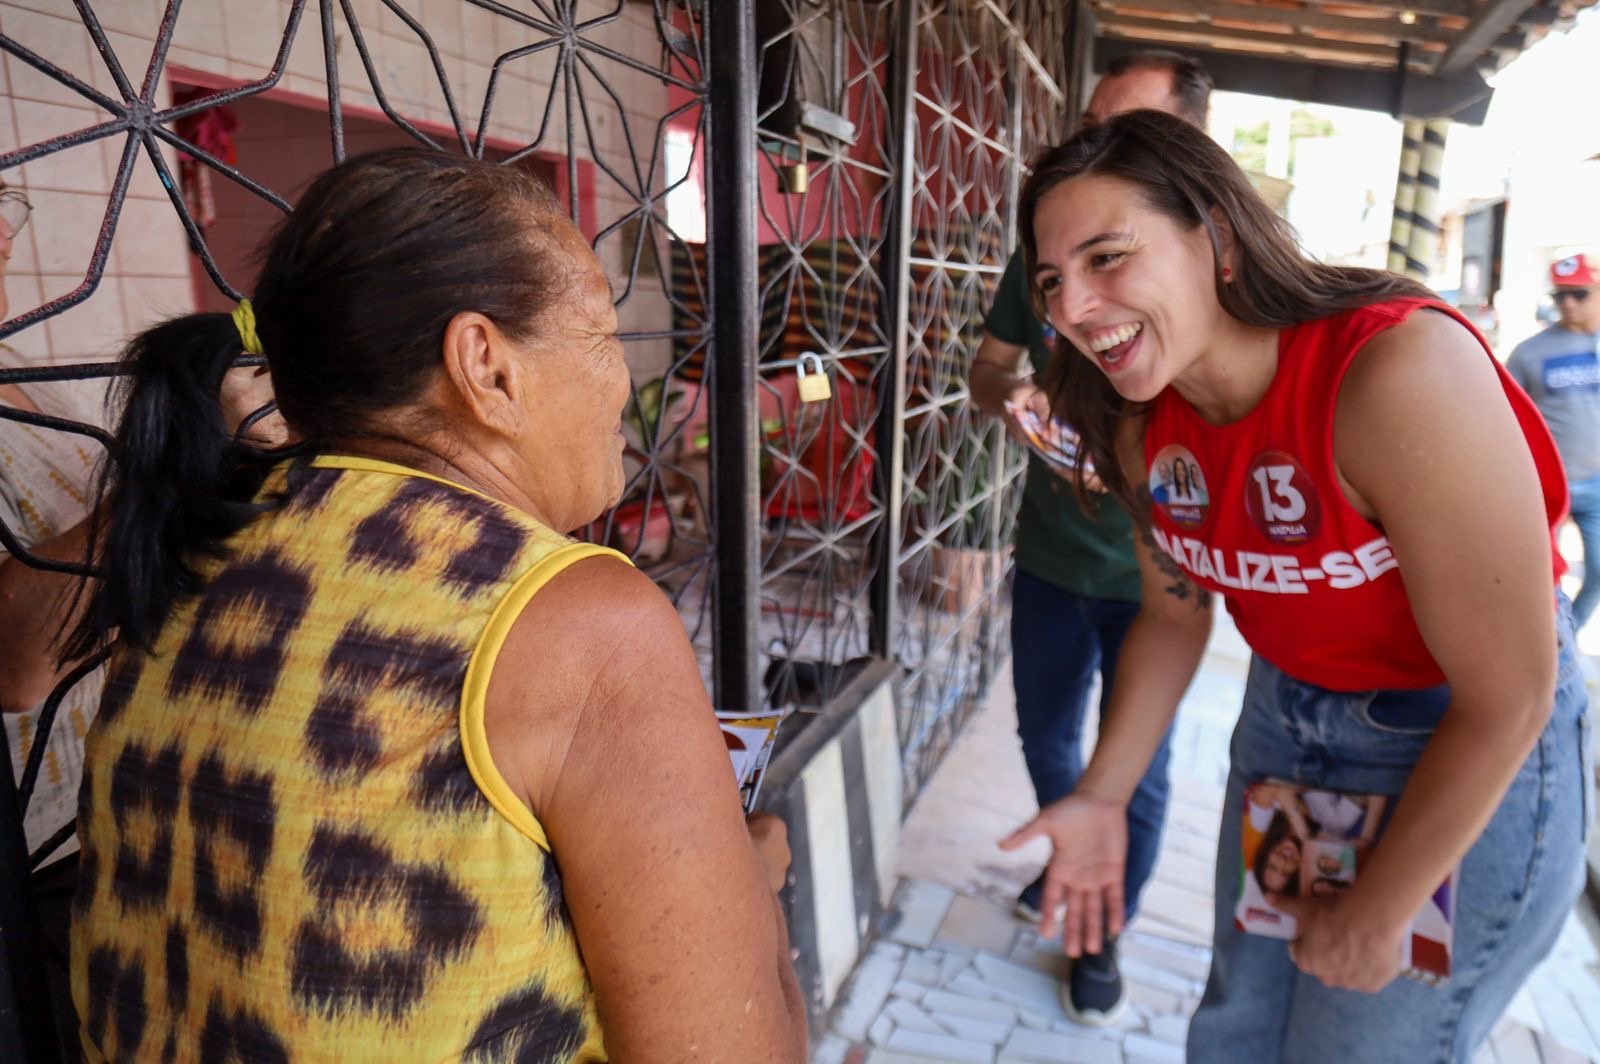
1517	883
1058	641
1586	515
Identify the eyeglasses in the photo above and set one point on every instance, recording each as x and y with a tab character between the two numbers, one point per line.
14	212
1577	295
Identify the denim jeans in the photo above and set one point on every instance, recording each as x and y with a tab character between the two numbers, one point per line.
1586	515
1058	641
1516	889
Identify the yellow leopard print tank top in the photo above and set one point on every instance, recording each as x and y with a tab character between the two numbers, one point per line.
295	843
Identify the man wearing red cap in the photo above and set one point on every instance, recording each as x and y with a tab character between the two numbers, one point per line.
1560	369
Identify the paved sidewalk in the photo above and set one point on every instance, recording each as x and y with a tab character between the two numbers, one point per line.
957	978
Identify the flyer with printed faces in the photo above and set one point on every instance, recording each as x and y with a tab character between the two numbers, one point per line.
1051	439
1304	842
749	737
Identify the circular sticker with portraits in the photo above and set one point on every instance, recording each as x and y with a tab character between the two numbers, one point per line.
1281	499
1178	487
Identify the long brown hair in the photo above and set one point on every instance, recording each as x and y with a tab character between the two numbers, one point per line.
1184	174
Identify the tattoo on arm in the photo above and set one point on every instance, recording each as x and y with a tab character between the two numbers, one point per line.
1181	587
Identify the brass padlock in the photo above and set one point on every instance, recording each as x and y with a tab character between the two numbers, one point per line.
794	178
813	383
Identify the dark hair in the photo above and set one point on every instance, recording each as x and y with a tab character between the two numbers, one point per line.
1184	174
356	290
1191	82
1278	830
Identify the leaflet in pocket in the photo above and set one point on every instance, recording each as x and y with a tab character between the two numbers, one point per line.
1301	841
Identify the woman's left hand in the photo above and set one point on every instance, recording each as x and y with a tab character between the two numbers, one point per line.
246	389
1340	944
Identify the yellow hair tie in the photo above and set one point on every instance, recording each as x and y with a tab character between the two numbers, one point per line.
244	319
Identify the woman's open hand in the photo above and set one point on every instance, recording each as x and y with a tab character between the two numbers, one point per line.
1089	835
246	389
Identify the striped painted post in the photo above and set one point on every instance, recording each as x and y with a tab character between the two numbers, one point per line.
1423	245
1405	192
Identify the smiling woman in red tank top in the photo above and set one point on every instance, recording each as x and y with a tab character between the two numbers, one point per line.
1374	499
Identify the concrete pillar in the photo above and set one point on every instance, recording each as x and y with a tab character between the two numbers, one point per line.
1405	192
1424	243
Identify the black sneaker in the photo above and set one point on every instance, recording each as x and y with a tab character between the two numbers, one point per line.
1029	907
1094	995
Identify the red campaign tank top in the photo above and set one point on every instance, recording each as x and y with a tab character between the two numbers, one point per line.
1252	510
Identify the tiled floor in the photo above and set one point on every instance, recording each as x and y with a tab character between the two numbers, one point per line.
956	978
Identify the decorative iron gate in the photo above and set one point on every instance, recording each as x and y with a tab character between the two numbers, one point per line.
778	187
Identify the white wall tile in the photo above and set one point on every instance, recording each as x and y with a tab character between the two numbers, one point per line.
199	29
827	820
77	169
253	32
880	751
63	42
148	300
149	240
59	8
66	225
203	60
141	18
477	30
442	20
92	331
305	54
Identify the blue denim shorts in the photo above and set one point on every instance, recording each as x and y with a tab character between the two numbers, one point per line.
1517	885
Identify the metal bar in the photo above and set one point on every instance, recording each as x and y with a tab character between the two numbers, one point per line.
330	60
1384	28
897	270
1491	20
731	371
1078	39
1221	36
46	723
1025	52
50	70
1444	8
1464	98
102	44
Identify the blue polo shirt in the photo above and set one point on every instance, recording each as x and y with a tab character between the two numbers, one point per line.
1560	369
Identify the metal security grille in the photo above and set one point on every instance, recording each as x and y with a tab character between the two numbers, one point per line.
828	156
987	96
776	186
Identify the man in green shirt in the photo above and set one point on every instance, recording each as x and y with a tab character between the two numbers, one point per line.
1076	589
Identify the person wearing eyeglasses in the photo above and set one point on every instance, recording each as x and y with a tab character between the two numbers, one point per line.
45	481
1560	369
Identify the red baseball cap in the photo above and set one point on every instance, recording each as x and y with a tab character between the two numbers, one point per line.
1575	271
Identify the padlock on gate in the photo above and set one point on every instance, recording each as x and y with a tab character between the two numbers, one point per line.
812	379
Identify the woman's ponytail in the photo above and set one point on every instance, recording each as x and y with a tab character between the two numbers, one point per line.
176	484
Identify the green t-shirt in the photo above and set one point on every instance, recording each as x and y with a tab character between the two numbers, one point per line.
1086	553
